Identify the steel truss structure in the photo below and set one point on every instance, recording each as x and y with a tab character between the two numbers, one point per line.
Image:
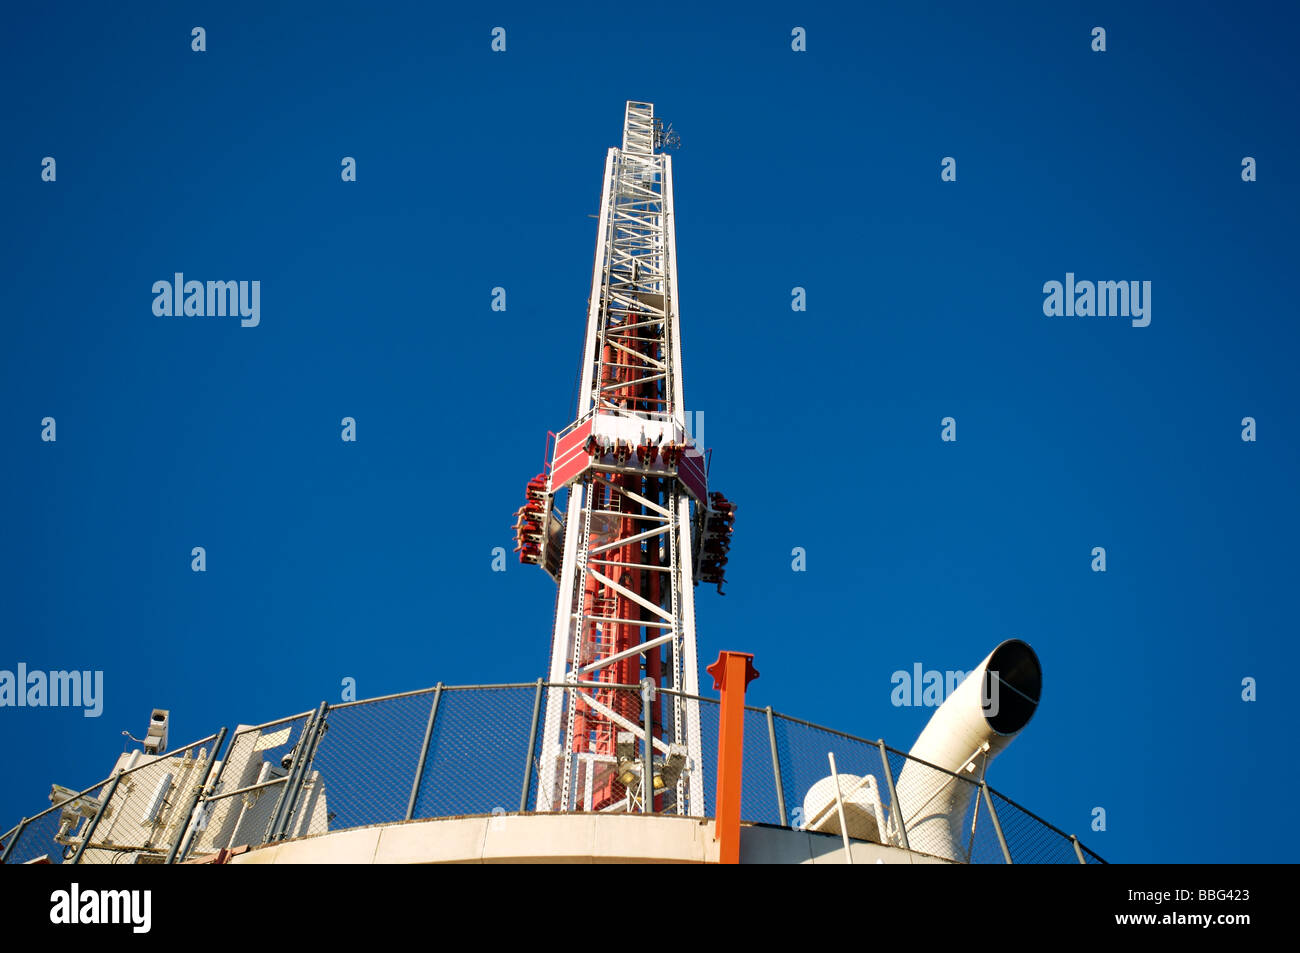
640	528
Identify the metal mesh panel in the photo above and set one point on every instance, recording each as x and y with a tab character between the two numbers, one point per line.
256	755
1029	839
809	791
705	760
364	765
477	752
708	763
53	833
758	802
979	838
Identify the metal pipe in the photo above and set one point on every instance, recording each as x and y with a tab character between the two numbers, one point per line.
1078	851
985	713
528	755
776	768
272	724
424	752
647	751
17	833
997	826
974	823
103	805
381	698
318	732
183	832
244	790
610	686
284	810
894	811
839	810
806	724
273	830
418	691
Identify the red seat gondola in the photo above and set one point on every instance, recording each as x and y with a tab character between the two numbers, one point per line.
530	520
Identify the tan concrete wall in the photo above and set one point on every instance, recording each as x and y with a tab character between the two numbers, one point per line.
566	838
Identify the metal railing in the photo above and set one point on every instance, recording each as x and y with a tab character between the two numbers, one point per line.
133	812
475	750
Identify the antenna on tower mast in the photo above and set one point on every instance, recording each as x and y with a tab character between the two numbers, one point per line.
665	136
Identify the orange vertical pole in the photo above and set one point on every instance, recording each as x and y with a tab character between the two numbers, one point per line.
732	673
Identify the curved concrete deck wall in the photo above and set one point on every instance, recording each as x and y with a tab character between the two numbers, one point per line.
567	838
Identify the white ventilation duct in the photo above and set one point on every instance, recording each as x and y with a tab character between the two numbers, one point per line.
980	718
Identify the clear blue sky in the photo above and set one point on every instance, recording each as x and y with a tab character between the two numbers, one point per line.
819	169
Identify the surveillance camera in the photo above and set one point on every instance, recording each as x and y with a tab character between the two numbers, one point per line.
155	739
73	803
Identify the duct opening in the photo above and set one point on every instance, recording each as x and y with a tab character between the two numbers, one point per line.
1014	699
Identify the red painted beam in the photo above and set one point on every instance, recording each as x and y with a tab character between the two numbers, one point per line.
732	673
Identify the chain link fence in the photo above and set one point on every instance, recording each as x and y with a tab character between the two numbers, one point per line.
479	752
134	816
248	788
453	751
50	836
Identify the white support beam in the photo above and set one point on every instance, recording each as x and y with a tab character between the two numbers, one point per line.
622	722
629	539
644	647
640	600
